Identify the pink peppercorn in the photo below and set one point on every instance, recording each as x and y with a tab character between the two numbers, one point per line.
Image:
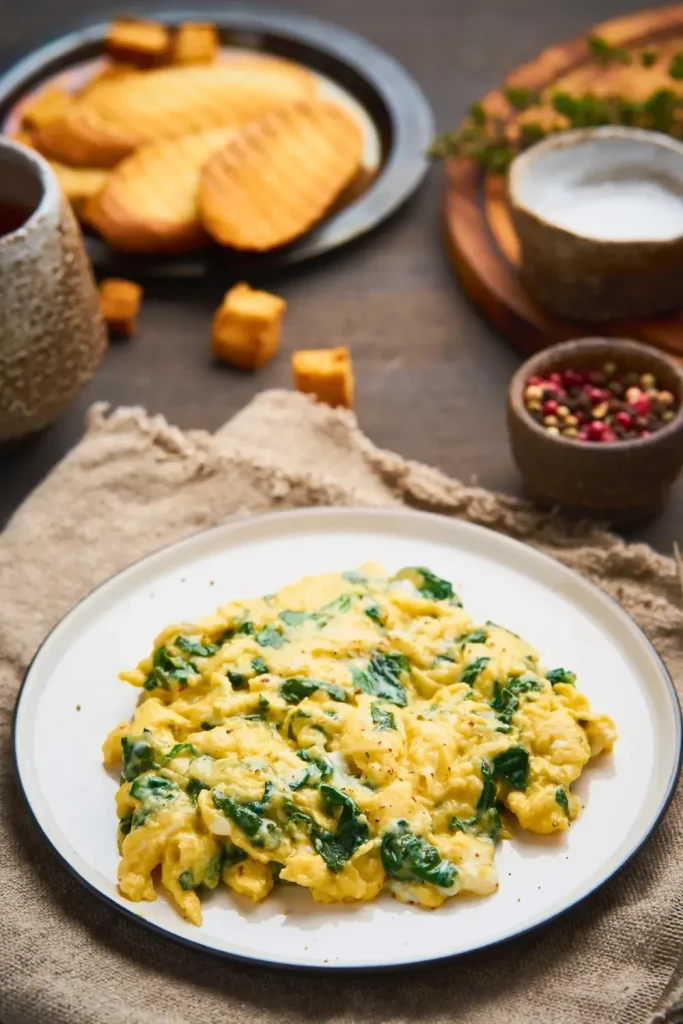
595	430
624	420
642	405
550	407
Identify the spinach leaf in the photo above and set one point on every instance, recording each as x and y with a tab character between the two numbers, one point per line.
295	689
321	763
212	875
523	684
195	647
125	824
429	585
382	718
512	767
239	680
504	628
352	829
291	618
354	577
269	637
477	636
232	854
246	628
261	713
186	880
382	678
153	792
305	776
259	666
505	702
412	859
561	675
486	824
167	670
181	748
138	756
473	670
487	797
373	611
194	788
261	831
562	799
339	605
207	726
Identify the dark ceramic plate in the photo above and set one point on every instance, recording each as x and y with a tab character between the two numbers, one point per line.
394	112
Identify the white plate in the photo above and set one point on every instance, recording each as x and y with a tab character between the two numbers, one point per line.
569	620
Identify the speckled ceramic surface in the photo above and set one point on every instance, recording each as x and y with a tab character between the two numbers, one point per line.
599	214
52	337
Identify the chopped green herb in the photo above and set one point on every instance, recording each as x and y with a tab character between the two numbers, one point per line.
195	647
186	880
676	66
295	689
521	98
512	767
478	114
138	756
412	859
382	717
607	53
473	670
269	637
562	799
560	675
259	666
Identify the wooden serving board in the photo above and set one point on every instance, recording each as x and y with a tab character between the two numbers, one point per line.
481	239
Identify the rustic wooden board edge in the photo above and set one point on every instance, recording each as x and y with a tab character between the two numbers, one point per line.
483	253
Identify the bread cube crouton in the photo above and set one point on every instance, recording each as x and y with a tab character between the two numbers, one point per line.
139	42
120	302
247	327
48	106
195	43
325	373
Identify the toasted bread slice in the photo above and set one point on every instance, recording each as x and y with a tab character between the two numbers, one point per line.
45	107
137	41
150	203
117	117
278	177
80	184
195	43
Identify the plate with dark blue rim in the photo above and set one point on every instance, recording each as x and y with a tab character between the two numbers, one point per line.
72	697
390	106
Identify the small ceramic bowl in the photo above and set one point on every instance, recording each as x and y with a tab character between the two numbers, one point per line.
599	215
624	482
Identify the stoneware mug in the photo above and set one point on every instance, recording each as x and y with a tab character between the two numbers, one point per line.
52	337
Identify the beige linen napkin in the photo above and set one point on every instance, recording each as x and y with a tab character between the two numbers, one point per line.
133	484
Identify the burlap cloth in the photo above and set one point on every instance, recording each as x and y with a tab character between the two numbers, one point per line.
134	484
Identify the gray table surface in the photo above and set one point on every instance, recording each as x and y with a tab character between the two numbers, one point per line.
431	374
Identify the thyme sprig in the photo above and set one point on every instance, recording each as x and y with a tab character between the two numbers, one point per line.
494	143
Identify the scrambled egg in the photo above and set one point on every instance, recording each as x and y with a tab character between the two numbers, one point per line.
351	733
